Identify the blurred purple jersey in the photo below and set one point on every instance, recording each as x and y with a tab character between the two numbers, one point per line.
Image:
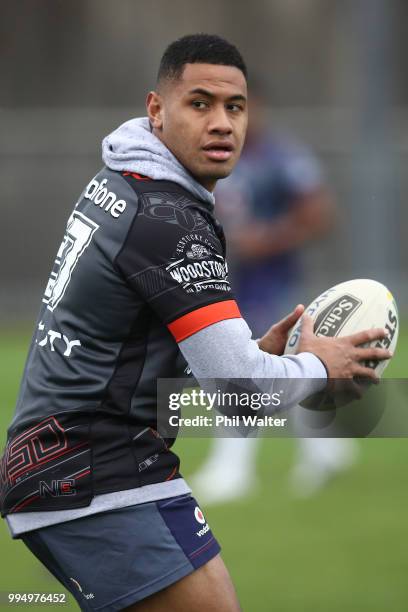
271	177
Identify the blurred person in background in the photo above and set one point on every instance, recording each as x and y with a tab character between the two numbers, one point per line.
273	204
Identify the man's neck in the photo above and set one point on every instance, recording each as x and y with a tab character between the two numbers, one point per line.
208	185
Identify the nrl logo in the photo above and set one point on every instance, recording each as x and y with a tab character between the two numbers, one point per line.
198	251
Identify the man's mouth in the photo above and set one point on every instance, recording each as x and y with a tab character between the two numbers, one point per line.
218	151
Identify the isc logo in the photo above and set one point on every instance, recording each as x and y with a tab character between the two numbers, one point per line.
57	488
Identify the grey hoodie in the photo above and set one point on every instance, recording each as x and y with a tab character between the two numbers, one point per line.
134	148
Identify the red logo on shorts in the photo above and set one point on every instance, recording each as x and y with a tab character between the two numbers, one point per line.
199	516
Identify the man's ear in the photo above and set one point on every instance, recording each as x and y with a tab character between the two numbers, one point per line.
154	106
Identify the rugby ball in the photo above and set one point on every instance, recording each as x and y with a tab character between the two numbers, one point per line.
351	307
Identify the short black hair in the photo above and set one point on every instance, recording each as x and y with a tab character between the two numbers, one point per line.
198	49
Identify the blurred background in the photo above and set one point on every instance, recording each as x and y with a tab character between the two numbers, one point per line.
333	78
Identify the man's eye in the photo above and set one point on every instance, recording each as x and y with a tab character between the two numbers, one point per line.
199	104
235	108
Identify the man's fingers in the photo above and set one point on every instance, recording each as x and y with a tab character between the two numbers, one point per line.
289	321
368	335
367	354
363	372
298	311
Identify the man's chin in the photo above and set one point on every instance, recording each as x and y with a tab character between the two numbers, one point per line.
209	176
217	173
224	174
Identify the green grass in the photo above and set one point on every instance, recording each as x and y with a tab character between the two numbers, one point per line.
343	550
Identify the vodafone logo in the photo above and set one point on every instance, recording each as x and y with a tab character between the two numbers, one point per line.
199	516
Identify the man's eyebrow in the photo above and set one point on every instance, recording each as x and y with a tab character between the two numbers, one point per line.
209	94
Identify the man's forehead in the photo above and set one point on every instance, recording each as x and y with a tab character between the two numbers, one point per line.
213	76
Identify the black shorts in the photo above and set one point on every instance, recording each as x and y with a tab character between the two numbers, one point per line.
111	560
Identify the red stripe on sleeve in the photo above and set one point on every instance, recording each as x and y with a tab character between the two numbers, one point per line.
194	321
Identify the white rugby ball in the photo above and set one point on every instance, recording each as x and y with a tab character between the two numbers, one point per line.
351	307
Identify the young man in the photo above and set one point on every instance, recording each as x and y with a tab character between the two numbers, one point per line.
88	483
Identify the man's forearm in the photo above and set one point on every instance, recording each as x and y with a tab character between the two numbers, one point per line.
225	350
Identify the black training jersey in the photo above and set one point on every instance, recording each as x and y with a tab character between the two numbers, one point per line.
141	267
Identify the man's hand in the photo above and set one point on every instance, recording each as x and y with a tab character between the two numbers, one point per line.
274	341
344	357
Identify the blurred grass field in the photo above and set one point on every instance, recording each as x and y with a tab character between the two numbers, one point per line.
343	550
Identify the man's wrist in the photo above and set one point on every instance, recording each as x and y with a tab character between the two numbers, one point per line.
324	365
330	381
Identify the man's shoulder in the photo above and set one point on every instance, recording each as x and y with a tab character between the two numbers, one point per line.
109	192
169	190
127	196
131	184
115	192
167	201
134	186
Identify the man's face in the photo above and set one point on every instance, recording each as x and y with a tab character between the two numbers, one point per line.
202	118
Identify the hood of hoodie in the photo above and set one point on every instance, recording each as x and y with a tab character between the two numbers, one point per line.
132	147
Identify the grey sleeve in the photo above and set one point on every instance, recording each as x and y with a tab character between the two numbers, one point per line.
226	350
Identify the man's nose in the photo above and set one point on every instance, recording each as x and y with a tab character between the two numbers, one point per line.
220	122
